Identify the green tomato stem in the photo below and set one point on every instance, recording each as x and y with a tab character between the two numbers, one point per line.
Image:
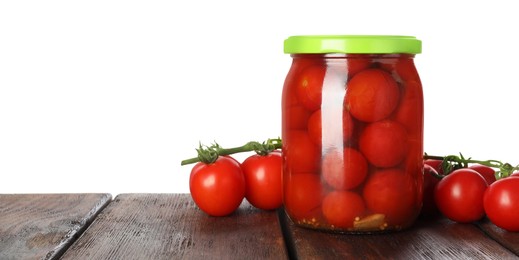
209	154
504	169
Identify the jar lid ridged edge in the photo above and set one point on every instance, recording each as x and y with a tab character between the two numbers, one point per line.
355	44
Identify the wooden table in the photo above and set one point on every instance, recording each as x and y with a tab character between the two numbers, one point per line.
169	226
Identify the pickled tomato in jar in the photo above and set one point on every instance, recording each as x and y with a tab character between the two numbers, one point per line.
352	130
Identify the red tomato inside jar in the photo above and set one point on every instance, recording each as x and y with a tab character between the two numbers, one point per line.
352	130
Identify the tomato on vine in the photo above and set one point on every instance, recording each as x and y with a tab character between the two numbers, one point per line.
429	208
501	203
436	164
487	172
459	195
218	184
218	188
263	179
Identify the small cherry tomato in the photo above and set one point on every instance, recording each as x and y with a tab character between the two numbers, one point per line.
309	87
344	169
406	69
384	143
487	172
403	68
301	154
263	180
303	195
392	192
340	208
459	195
409	112
501	203
356	65
217	188
436	164
371	95
429	208
333	130
233	159
296	117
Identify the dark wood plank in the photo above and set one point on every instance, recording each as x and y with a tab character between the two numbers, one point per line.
431	239
43	226
169	226
510	240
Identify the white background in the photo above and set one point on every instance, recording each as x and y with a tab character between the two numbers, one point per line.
110	96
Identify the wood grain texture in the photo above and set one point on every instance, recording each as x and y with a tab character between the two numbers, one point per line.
433	239
509	240
43	226
170	226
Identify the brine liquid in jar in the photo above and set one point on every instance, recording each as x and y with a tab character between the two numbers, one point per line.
352	130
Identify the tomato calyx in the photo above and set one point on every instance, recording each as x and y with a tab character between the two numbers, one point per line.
209	154
265	147
453	162
435	174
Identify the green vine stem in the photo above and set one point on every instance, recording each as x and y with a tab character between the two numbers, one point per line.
453	162
209	154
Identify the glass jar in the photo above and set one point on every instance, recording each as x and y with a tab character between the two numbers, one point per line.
352	130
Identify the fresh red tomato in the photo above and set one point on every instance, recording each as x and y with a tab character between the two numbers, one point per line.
331	127
340	208
515	174
459	195
436	164
217	188
372	95
309	87
409	112
429	208
487	172
344	169
301	154
501	203
263	179
384	143
303	195
392	192
233	159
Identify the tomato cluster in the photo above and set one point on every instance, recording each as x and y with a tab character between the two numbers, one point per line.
218	188
352	142
468	194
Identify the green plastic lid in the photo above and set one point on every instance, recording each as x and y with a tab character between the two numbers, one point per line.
376	44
